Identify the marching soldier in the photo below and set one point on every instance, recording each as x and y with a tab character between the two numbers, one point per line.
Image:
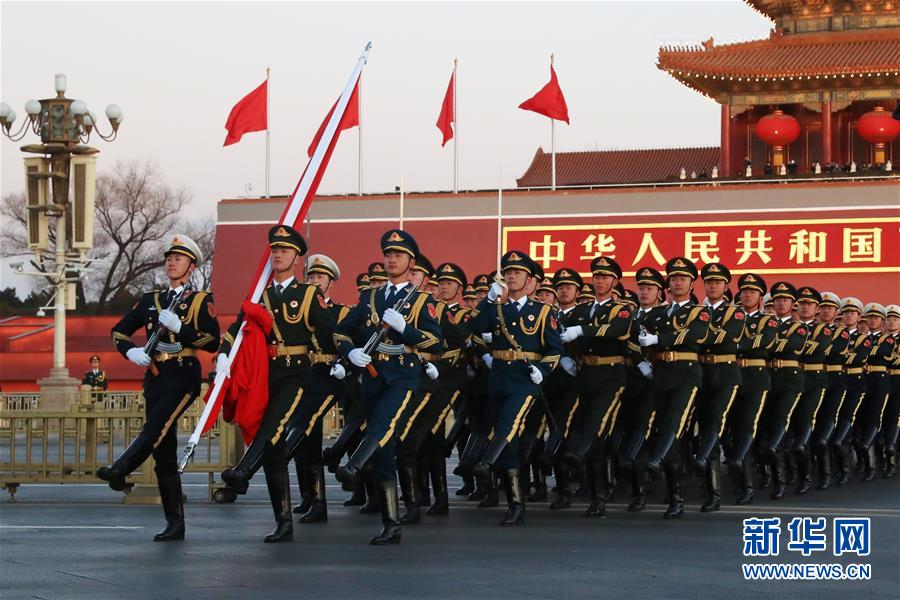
602	330
295	310
393	370
815	382
327	386
787	382
854	361
96	378
676	332
760	331
721	377
172	380
836	388
878	387
526	348
637	403
892	411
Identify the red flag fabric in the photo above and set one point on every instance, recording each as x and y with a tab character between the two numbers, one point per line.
350	119
549	101
248	115
445	121
245	395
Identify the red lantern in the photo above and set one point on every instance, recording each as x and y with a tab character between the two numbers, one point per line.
879	128
778	130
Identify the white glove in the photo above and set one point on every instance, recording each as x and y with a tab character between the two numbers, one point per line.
223	365
568	365
496	291
431	371
488	359
536	376
138	357
359	358
487	337
394	319
470	372
170	321
338	371
646	369
572	333
648	339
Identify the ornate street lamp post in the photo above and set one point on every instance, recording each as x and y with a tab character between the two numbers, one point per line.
65	126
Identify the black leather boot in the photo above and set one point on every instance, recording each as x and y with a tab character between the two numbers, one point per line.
387	500
491	495
134	456
868	456
596	475
890	465
745	482
563	493
803	459
238	477
540	485
318	508
303	484
705	448
358	498
842	463
713	486
475	446
609	479
673	489
778	483
349	473
515	499
280	495
371	506
408	475
422	483
638	494
437	469
482	470
468	486
823	454
347	438
173	507
663	445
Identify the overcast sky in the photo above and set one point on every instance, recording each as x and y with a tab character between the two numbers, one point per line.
176	69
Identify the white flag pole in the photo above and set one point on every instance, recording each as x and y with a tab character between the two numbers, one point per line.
499	219
360	137
300	196
552	145
455	131
268	95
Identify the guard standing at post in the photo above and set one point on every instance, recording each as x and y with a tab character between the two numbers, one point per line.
96	378
393	378
172	381
296	311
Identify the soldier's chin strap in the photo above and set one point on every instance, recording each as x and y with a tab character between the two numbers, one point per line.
184	277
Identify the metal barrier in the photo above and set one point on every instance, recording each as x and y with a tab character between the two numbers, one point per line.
38	446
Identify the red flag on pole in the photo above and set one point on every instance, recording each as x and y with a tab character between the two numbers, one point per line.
549	101
445	121
248	115
349	120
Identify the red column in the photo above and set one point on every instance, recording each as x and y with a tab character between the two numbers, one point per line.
826	131
725	144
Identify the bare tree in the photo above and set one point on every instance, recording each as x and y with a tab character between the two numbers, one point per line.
135	213
14	242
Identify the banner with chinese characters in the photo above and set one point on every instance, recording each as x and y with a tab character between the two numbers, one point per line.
833	245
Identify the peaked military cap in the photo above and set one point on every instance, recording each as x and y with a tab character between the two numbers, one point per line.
547	286
469	292
681	266
784	289
715	271
874	309
851	304
830	299
587	292
362	281
631	298
399	241
182	244
603	265
752	281
452	272
285	236
767	300
319	263
650	276
377	273
808	294
423	264
482	284
892	310
516	259
566	275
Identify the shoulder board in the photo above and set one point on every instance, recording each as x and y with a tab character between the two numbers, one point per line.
729	313
794	327
342	313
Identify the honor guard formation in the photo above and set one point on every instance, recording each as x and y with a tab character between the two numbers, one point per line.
524	374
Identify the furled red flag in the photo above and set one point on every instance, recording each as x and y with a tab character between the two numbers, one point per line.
350	119
549	101
447	118
248	115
